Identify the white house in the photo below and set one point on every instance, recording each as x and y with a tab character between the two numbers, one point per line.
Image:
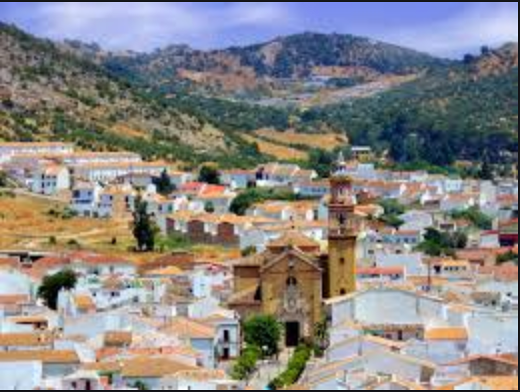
416	220
85	199
50	180
85	158
108	172
229	335
84	264
314	189
458	202
238	179
9	150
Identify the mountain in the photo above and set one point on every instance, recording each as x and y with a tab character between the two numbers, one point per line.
187	105
267	68
468	110
49	93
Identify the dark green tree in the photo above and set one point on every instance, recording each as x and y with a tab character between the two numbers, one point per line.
264	332
210	175
437	243
141	386
144	227
209	207
3	179
164	184
487	172
54	284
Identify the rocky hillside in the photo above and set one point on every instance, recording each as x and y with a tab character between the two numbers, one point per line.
267	67
169	104
46	93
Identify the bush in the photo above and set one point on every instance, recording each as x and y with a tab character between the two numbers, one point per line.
173	242
476	217
246	364
74	244
295	369
507	258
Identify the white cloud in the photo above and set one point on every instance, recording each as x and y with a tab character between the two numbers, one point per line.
258	13
482	23
147	25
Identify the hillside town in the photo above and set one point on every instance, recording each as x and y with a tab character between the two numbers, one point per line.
370	279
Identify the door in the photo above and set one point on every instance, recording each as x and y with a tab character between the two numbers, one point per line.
292	334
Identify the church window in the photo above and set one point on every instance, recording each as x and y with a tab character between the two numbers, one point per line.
292	282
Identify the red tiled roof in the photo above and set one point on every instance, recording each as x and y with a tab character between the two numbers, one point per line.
505	273
9	262
381	271
13	299
505	359
80	257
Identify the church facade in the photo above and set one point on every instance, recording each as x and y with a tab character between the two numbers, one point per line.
293	277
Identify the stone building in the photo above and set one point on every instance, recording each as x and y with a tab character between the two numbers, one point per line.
293	277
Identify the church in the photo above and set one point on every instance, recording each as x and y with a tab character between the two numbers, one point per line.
293	277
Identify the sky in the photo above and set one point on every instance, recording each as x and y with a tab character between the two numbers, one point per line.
448	29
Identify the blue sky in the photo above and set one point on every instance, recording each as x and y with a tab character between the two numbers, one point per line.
443	28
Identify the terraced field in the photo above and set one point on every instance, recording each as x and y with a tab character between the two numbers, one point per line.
277	150
327	141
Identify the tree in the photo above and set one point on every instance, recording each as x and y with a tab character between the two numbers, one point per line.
3	179
249	251
487	171
210	175
164	184
252	196
393	211
209	207
141	386
321	336
264	332
53	285
508	258
469	59
476	217
245	200
144	228
437	243
485	50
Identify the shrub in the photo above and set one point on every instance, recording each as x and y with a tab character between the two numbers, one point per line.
246	364
295	369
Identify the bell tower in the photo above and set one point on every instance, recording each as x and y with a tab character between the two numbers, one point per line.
344	228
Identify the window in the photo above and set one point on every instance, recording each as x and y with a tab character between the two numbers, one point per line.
292	282
227	336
